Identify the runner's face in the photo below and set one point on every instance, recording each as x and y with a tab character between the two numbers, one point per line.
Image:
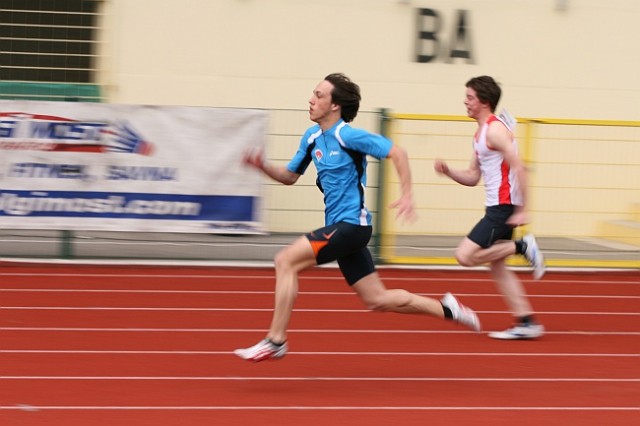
320	106
472	103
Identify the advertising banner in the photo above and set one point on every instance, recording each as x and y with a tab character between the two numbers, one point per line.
91	166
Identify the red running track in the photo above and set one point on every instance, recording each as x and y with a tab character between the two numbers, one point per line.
123	345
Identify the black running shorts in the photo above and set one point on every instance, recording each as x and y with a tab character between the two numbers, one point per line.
346	243
493	226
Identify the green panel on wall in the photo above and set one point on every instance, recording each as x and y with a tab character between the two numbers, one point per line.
50	91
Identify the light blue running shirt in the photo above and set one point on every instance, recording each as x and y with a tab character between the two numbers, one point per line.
341	177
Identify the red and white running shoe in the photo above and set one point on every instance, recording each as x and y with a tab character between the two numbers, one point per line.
264	349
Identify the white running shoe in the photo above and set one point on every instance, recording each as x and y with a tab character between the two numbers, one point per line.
461	313
519	332
264	349
534	256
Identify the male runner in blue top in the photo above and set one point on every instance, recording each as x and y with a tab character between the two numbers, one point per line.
339	153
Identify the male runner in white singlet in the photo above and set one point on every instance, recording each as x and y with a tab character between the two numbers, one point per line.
495	159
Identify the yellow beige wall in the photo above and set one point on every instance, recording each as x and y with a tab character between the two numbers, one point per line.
574	59
554	58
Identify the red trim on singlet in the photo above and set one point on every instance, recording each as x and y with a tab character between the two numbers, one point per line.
489	121
504	192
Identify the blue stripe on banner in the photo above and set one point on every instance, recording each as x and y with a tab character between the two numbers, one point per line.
123	205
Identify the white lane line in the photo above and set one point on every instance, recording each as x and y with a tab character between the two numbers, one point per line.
301	293
179	309
343	353
324	379
310	331
22	407
310	278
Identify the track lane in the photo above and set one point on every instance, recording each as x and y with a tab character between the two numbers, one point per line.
310	364
325	319
312	341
